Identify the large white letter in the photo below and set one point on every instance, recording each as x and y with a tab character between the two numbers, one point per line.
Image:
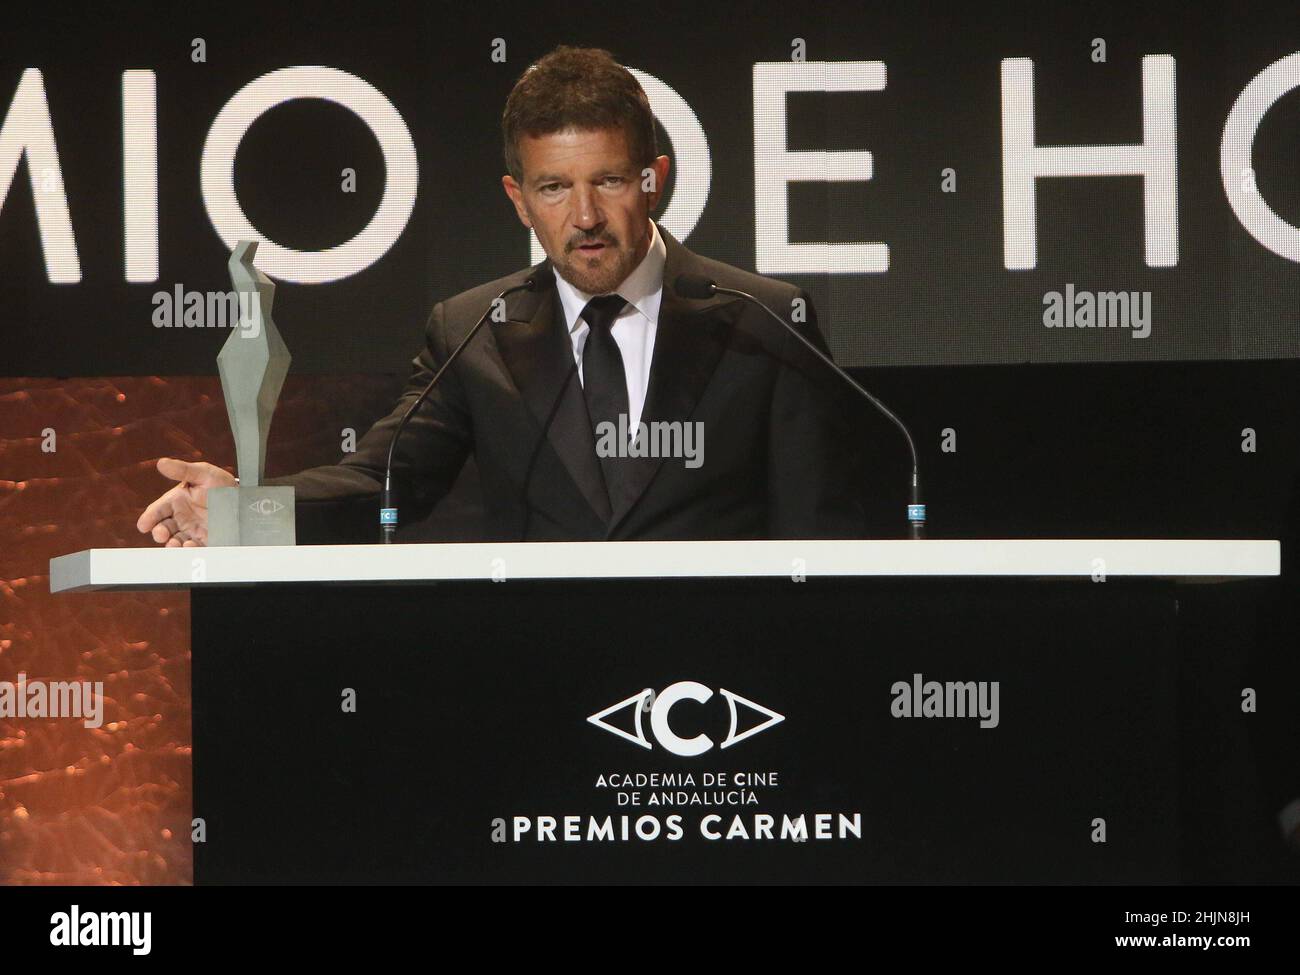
368	104
673	693
140	175
775	167
1156	160
1235	160
27	129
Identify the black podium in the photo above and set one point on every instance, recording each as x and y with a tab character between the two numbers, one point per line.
472	705
526	713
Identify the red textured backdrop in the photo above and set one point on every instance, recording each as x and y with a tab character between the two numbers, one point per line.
112	805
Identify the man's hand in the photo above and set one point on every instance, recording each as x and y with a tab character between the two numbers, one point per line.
180	517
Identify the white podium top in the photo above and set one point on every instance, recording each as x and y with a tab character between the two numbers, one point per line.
179	568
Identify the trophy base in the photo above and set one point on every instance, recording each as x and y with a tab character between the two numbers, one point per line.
251	516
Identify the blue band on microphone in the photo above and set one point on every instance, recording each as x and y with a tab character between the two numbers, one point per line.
916	512
387	516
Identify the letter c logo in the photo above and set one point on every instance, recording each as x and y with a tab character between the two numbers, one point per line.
670	695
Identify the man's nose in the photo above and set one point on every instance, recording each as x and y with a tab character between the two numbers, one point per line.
587	214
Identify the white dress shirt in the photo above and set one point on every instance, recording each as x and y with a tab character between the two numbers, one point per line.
633	330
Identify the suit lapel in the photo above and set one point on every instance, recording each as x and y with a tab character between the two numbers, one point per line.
539	356
689	340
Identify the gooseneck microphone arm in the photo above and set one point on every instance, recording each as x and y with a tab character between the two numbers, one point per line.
388	509
698	286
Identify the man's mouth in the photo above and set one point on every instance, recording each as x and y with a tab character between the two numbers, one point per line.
592	247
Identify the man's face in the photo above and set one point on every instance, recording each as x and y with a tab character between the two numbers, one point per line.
583	196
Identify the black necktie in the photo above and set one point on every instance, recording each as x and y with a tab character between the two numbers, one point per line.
604	385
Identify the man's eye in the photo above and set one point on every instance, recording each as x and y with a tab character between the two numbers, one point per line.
614	179
550	188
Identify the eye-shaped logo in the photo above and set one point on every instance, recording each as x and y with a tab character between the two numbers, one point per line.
265	506
659	706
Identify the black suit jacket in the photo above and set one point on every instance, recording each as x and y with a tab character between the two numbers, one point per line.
778	459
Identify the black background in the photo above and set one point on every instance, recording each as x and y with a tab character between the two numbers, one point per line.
946	299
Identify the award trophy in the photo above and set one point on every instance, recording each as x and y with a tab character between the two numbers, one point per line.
253	364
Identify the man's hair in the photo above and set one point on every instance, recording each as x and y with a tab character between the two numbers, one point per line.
580	88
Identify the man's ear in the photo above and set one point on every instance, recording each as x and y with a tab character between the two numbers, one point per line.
517	198
660	167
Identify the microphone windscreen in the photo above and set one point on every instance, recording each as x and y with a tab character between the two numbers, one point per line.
693	286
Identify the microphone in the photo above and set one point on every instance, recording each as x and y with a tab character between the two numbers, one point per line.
698	286
538	280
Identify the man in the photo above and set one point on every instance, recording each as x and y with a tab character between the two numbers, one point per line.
602	347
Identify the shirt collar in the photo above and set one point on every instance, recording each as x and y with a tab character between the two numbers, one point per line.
643	288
